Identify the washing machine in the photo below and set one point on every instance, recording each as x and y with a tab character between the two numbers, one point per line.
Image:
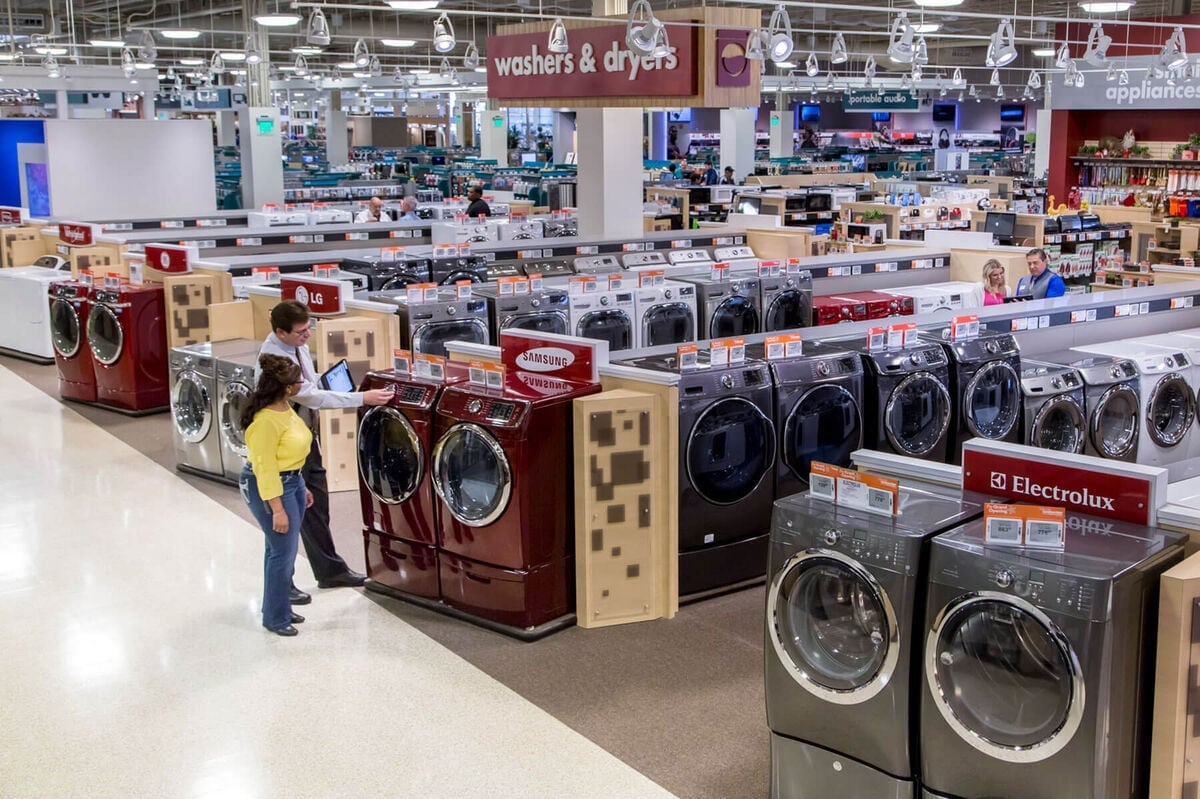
195	423
127	334
502	472
693	260
24	313
1112	402
726	307
545	310
985	386
1183	346
387	275
641	261
786	300
1168	401
832	310
604	315
1054	407
599	264
548	268
448	270
950	296
1037	663
740	258
235	386
726	462
907	406
69	307
664	314
881	305
426	327
844	629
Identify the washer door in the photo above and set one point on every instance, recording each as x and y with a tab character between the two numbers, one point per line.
735	316
668	323
730	449
611	325
65	332
399	281
431	339
1004	677
105	335
1114	423
471	474
1170	411
788	310
833	627
462	274
917	414
541	322
191	408
390	459
992	400
1059	425
825	425
233	404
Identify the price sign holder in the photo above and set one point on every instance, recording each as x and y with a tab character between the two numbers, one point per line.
964	328
651	277
488	375
719	272
866	492
688	356
462	289
616	282
585	284
877	339
535	281
431	367
784	345
901	335
1027	526
727	352
402	361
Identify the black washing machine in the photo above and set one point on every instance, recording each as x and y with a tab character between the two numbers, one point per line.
543	311
448	270
786	301
726	307
726	458
387	275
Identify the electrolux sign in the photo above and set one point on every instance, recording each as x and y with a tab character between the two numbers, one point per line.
879	100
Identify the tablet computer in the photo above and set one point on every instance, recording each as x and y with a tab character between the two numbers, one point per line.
337	377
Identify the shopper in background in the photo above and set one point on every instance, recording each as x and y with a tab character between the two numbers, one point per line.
994	287
1041	282
668	172
408	210
478	206
373	212
291	325
711	178
727	179
681	169
277	442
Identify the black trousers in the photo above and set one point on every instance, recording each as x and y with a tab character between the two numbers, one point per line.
314	532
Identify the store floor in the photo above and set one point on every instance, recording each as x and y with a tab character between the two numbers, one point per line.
136	666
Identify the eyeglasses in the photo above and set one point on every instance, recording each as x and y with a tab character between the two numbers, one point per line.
304	331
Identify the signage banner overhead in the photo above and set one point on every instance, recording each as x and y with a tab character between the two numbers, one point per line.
1097	93
879	100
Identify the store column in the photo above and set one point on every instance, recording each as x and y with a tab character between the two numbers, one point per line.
261	142
226	129
337	137
493	136
610	172
61	109
737	141
147	105
564	136
658	136
783	129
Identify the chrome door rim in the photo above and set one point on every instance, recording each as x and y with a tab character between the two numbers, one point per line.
399	417
501	459
969	406
1164	439
192	377
97	310
236	387
1094	422
510	320
80	333
420	332
891	403
1076	413
779	298
673	304
770	461
803	398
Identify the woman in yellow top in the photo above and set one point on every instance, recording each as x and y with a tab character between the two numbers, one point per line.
277	443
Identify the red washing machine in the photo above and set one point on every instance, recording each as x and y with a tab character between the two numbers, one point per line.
127	333
68	332
398	506
829	310
881	305
502	471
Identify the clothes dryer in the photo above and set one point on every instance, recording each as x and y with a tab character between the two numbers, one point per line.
388	275
665	314
127	333
24	313
985	386
427	326
906	400
726	307
833	310
1112	402
726	457
1054	407
1182	347
448	270
69	309
844	630
195	404
545	310
1037	663
786	300
606	316
502	471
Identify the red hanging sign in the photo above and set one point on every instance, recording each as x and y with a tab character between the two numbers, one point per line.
76	234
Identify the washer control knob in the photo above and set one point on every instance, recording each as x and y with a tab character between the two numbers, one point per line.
604	300
451	310
914	359
1004	578
832	537
535	302
823	368
667	293
1056	382
992	347
474	406
1115	371
727	381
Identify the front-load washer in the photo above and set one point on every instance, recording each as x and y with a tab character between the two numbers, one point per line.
127	333
833	310
427	326
726	460
1168	401
1054	416
818	410
688	260
235	387
881	305
548	268
949	296
786	300
448	270
740	258
906	400
599	264
606	316
641	261
25	321
69	307
665	313
985	386
1111	400
195	412
844	628
388	275
502	471
1037	663
1183	347
544	310
728	307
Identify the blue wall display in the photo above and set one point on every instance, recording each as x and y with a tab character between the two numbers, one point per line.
12	133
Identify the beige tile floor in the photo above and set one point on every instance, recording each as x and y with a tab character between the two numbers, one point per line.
134	664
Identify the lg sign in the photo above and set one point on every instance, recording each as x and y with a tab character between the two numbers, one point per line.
320	295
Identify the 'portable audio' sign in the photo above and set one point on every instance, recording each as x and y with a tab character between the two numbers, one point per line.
322	296
562	357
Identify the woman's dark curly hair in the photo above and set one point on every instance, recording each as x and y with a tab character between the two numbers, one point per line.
275	374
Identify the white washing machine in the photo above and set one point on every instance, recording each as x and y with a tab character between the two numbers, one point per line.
695	260
195	403
664	314
24	312
641	261
1054	407
739	258
235	386
951	296
1183	346
605	315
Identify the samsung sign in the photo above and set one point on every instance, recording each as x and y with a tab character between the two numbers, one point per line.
1098	93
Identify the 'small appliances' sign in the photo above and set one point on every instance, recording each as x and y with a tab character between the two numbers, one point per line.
1138	93
597	64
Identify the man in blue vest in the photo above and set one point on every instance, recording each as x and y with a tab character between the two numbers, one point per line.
1041	282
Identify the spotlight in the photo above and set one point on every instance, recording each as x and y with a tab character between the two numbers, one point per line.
443	34
957	79
558	37
471	57
318	29
900	47
252	54
1098	42
779	35
811	67
362	56
838	54
1174	51
757	43
641	28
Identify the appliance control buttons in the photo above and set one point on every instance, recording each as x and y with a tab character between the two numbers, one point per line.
991	346
474	406
832	537
1115	371
914	359
604	300
667	293
1004	578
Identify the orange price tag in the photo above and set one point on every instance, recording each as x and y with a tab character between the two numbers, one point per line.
784	345
616	281
651	277
391	254
727	351
901	335
876	339
421	292
486	374
687	356
432	367
1033	526
582	284
402	361
507	286
964	327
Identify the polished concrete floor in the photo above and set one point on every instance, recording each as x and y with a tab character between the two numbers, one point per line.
136	665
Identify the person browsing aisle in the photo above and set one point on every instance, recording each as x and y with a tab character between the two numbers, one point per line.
994	287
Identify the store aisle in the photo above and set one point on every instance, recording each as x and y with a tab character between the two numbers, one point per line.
135	664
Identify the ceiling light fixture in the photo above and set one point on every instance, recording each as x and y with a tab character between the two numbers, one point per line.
301	65
398	43
1063	57
233	55
906	83
927	27
50	64
307	50
252	54
1043	52
349	65
938	3
811	66
941	87
362	56
779	31
147	51
46	49
557	41
413	5
114	44
375	67
922	54
471	57
641	28
869	70
1108	7
1098	43
317	31
756	44
957	79
182	34
217	65
443	34
1073	76
995	81
916	72
1002	49
277	19
1111	75
128	63
1174	51
1035	80
192	62
999	92
900	45
444	68
838	54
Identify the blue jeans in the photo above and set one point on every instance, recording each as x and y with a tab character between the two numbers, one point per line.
279	560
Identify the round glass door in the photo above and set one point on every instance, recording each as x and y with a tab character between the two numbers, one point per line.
611	325
1114	423
398	281
825	425
736	316
545	322
64	328
1059	425
105	336
992	400
471	475
431	339
1170	411
730	450
669	323
191	408
462	274
389	455
917	414
234	404
1004	677
789	310
833	627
